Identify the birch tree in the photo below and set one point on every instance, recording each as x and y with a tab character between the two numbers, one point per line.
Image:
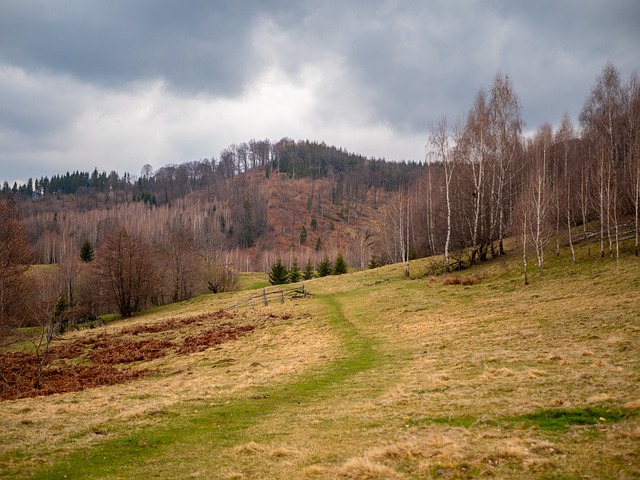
506	130
398	221
601	119
475	153
539	192
439	143
564	138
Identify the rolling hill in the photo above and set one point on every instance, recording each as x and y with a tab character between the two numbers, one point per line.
466	375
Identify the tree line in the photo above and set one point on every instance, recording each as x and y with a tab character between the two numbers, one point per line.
486	180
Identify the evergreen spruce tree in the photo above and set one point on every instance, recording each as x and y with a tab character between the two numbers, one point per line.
278	274
324	267
375	262
340	267
294	273
86	252
61	314
303	235
308	273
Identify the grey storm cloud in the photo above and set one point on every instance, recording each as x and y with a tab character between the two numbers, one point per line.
193	45
401	64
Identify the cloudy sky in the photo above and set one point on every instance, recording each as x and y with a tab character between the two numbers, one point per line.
117	84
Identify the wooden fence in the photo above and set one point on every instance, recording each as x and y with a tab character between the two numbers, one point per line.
274	295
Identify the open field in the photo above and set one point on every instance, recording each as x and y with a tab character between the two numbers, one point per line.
467	375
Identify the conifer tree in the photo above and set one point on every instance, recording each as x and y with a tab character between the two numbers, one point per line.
324	267
294	273
278	274
374	262
340	267
61	314
86	252
308	273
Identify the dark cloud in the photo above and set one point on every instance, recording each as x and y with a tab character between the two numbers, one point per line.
401	64
195	45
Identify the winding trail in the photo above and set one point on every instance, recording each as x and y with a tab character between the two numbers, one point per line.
200	428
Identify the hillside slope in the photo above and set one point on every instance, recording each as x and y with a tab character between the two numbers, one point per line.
375	376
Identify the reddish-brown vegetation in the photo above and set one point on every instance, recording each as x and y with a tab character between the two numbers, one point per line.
90	362
20	369
173	324
224	333
111	351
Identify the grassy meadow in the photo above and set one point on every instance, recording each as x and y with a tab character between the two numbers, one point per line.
465	375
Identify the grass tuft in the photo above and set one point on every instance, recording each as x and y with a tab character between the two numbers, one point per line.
366	469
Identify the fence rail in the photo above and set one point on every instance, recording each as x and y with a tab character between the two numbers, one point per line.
263	298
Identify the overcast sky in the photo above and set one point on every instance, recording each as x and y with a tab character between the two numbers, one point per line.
121	83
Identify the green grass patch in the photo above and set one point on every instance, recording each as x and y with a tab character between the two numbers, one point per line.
563	418
193	426
545	419
253	281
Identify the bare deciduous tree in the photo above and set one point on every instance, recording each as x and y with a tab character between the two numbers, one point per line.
125	271
439	141
538	194
15	258
565	138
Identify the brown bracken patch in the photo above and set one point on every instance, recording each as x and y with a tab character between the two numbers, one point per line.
19	371
174	324
90	362
224	333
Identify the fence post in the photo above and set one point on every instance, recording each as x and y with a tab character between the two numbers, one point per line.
281	295
264	297
251	301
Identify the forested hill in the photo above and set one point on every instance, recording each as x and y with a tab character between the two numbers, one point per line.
257	202
301	159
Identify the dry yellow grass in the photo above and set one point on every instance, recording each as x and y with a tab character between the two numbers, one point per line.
365	469
456	366
274	352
